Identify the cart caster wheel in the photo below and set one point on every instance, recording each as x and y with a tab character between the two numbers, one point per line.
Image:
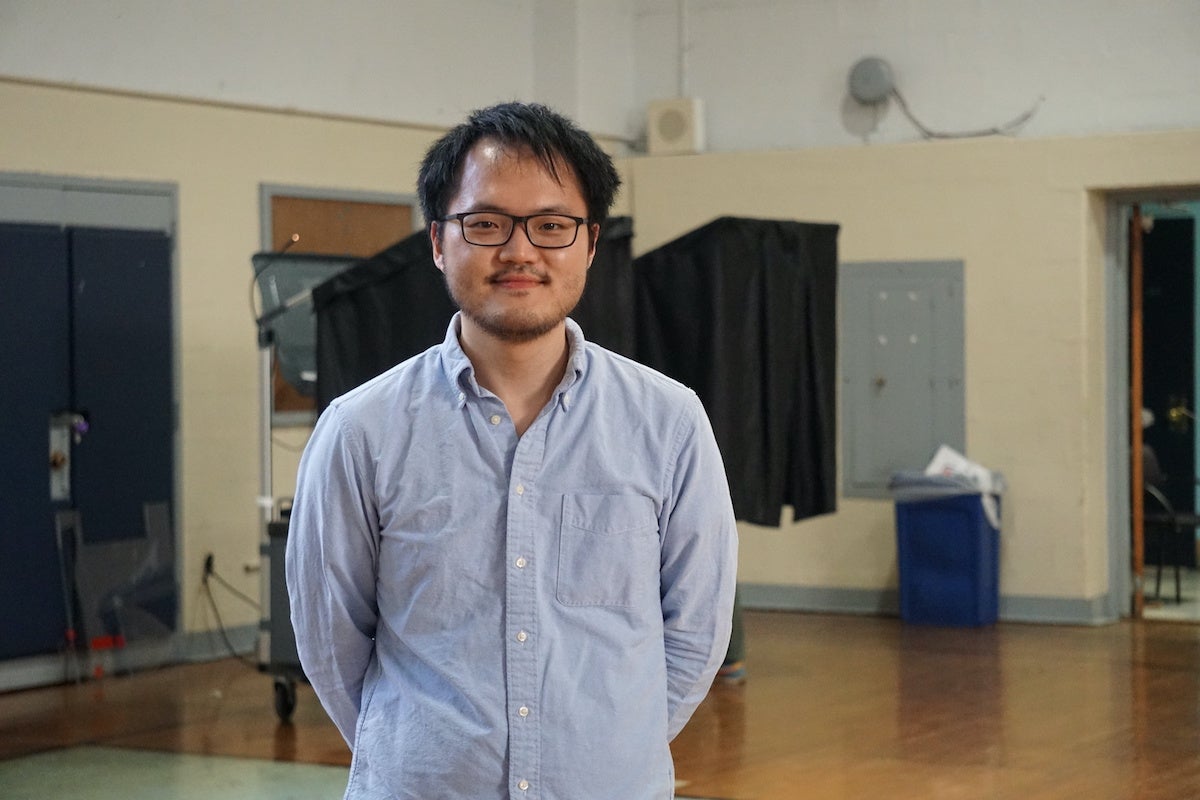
285	699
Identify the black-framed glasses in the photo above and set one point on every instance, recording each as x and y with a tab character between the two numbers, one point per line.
494	228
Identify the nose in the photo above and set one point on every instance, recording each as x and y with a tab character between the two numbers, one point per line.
519	248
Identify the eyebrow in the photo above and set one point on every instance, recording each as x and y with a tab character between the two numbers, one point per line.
561	210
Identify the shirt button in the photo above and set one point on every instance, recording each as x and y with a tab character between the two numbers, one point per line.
520	488
523	785
522	636
523	711
495	419
521	562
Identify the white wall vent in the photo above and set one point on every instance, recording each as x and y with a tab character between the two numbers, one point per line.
675	127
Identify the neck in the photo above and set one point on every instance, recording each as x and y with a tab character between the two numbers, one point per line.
522	374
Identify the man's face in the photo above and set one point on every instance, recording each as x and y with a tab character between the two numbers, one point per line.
515	292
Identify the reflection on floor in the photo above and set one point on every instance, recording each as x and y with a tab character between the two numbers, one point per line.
109	773
845	706
1165	607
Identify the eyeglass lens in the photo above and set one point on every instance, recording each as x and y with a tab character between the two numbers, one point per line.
544	230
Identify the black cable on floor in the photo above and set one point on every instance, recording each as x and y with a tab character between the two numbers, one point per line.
249	600
212	602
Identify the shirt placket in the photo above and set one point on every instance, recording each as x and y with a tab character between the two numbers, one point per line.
526	505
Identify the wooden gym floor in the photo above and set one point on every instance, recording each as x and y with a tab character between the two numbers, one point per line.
835	707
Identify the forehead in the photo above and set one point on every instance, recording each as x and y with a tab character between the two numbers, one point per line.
495	173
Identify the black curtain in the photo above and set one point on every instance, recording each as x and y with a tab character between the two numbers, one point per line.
376	313
744	312
394	305
606	310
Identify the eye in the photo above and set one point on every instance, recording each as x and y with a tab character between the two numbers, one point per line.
554	224
481	222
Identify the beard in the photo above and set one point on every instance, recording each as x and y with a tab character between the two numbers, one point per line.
515	325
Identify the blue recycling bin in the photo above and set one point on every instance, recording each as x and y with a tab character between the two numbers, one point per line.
949	552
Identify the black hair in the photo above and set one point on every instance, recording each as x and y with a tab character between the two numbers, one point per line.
552	138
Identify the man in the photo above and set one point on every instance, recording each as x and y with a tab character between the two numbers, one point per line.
512	557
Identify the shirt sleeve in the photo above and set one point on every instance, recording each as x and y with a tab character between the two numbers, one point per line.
331	562
699	568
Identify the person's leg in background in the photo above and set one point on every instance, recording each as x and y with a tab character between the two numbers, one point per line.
733	669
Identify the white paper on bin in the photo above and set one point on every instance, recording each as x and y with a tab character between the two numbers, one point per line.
950	463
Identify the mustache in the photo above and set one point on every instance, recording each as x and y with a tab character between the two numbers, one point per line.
514	271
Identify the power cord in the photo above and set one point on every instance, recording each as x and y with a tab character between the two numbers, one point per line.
210	572
1006	129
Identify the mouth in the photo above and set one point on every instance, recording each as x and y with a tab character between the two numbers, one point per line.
517	280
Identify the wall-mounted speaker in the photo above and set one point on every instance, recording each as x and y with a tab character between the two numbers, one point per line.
675	127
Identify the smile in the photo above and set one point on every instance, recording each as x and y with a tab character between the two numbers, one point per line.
517	280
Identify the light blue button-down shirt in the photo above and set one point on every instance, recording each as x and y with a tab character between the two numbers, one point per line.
491	616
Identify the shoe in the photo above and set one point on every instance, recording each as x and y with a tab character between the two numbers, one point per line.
732	674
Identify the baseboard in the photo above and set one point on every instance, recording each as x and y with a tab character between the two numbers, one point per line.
776	597
886	602
199	646
1057	610
209	646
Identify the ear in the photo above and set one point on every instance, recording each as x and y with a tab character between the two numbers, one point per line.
435	239
593	239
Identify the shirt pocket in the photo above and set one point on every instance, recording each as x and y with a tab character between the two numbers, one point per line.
607	550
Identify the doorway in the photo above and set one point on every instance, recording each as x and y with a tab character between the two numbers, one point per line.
87	351
1162	307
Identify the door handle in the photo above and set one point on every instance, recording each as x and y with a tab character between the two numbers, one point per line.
1178	415
67	428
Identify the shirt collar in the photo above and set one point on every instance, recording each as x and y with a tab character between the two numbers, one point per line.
461	374
577	360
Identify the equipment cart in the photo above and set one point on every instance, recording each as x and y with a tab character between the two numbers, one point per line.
287	348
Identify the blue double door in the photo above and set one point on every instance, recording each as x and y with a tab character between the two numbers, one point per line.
85	344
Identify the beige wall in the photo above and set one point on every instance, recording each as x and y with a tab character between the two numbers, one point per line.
217	157
1028	220
1026	217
